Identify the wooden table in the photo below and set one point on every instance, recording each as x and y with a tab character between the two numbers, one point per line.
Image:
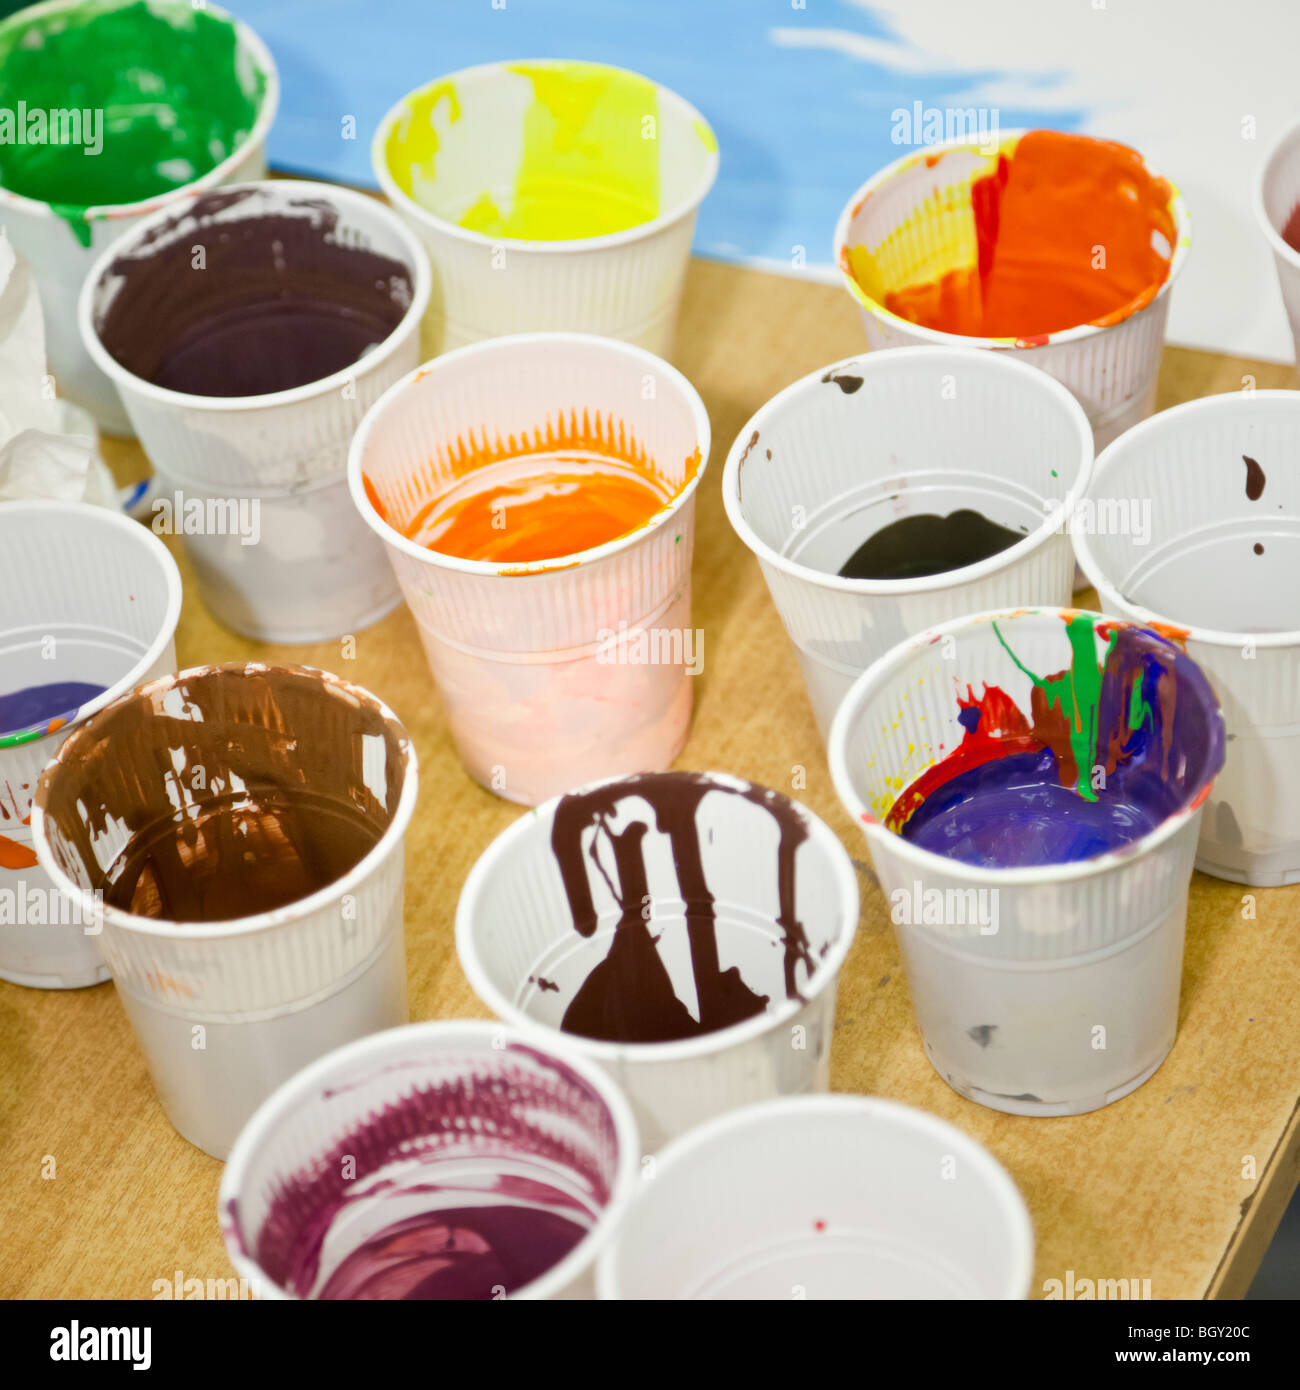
1182	1182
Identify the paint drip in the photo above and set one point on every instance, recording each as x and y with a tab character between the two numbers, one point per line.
211	305
507	1167
629	996
1110	749
170	87
1068	230
915	546
240	790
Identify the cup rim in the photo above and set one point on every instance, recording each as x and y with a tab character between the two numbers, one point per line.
1178	257
150	544
275	918
108	212
682	1049
424	1037
999	1186
401	199
882	360
398	335
543	341
1110	458
1274	237
865	687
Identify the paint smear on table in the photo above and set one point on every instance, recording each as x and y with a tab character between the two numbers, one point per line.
1068	230
161	95
1110	748
562	490
589	154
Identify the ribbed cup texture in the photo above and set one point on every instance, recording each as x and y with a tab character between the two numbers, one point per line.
534	668
1196	566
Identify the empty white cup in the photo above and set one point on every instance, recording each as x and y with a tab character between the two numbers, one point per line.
552	195
257	485
1047	989
912	221
823	1197
1221	568
87	596
413	1122
227	1009
557	899
845	451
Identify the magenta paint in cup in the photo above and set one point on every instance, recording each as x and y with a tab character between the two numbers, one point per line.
456	1160
558	671
684	930
89	602
240	831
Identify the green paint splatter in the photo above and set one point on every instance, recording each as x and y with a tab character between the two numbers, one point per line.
146	99
1076	692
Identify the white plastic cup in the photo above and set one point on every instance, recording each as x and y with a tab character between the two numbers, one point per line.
826	1197
86	595
1038	991
621	284
845	451
271	467
559	671
1194	568
59	258
227	1010
434	1115
524	957
1277	196
1112	370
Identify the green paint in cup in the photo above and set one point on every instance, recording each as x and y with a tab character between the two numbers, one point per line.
107	103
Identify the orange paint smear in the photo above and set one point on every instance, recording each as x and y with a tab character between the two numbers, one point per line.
562	489
16	856
1043	219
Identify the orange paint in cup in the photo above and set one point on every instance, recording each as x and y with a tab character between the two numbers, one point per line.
1070	230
